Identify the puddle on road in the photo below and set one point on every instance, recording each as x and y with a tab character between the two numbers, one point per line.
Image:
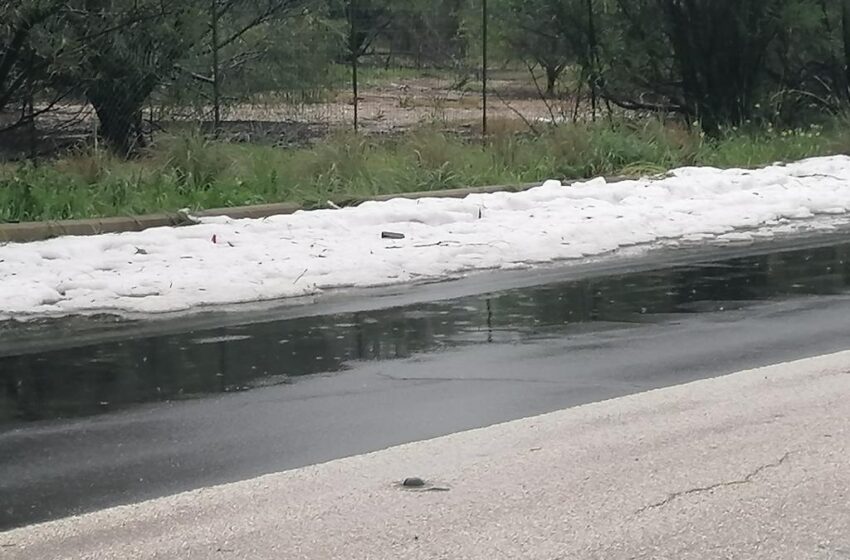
96	379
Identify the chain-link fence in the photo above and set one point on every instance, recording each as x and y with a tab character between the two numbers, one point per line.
284	72
81	73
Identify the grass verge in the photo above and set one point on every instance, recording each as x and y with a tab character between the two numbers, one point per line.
193	172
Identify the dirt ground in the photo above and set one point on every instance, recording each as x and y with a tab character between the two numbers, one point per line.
411	103
386	108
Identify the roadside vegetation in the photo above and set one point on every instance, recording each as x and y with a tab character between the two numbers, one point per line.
637	87
194	172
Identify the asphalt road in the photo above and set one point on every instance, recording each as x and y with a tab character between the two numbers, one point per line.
752	465
632	333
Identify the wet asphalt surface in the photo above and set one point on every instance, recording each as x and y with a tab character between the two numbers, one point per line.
87	424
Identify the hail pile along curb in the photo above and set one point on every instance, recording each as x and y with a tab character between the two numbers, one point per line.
23	232
223	260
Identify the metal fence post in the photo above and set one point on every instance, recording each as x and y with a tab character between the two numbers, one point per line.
354	50
29	109
215	70
484	18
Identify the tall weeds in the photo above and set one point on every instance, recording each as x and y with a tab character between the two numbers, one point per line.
193	171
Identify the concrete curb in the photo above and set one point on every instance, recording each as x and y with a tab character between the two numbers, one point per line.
256	211
448	193
38	231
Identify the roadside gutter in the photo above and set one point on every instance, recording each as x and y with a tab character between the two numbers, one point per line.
38	231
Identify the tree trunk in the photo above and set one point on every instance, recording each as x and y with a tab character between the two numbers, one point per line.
592	58
552	73
719	47
845	28
120	116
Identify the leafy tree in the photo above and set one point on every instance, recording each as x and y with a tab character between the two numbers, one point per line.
711	60
279	47
26	53
127	49
720	47
538	32
845	40
365	21
148	44
429	33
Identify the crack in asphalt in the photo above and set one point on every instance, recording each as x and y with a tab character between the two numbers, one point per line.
746	480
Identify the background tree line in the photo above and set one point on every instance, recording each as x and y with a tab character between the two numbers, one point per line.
719	63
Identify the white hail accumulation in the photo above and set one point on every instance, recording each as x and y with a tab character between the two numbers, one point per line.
229	261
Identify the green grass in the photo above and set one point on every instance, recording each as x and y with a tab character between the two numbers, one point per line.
192	172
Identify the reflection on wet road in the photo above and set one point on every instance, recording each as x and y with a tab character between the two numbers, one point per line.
102	424
97	379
